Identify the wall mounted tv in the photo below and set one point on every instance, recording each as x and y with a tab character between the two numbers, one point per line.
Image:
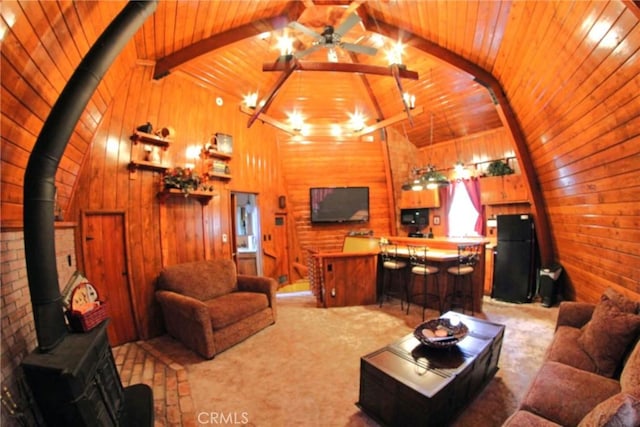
339	204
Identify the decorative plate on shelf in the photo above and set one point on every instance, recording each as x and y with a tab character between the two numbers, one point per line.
440	332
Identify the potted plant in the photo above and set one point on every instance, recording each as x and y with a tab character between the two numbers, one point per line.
183	179
499	168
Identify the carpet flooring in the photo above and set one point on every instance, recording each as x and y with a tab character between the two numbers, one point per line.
305	369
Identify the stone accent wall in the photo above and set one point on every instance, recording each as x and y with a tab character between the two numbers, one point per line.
403	156
18	335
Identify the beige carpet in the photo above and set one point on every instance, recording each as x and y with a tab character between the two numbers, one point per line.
304	370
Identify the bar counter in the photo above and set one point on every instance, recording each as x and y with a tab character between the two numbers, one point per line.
443	252
353	277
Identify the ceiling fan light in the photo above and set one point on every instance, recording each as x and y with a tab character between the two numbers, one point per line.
332	55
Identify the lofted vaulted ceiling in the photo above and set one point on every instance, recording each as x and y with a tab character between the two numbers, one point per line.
224	45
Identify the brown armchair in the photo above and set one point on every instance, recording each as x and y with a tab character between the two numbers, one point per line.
209	307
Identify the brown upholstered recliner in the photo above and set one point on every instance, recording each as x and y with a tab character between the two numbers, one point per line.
209	307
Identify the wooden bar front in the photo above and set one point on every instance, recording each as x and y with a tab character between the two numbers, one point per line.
352	277
348	278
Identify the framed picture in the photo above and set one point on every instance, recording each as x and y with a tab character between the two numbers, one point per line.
224	143
436	220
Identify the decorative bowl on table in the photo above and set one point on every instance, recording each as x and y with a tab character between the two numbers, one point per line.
441	332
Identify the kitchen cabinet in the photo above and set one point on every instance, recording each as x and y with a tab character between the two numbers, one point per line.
410	199
497	190
488	268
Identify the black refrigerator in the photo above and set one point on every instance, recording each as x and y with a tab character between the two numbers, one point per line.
515	259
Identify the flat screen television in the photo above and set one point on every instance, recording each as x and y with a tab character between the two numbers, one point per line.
339	204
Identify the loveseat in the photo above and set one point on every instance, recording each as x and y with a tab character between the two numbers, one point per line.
591	373
209	307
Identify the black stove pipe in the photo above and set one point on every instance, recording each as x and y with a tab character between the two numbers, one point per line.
39	177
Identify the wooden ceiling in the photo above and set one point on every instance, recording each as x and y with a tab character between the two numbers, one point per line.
223	45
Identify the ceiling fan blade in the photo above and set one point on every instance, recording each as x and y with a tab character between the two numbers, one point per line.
347	24
307	51
358	48
308	31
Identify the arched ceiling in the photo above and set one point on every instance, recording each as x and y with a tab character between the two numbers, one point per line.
226	44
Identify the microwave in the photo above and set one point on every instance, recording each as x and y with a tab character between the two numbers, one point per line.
418	217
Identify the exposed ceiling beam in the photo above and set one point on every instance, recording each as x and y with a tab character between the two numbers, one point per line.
290	66
269	120
388	122
342	67
503	108
633	6
367	87
164	65
396	76
325	131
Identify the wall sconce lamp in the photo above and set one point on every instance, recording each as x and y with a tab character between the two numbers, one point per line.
285	46
251	100
394	55
357	121
409	100
296	120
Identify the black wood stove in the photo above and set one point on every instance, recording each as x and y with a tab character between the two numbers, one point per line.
73	376
77	384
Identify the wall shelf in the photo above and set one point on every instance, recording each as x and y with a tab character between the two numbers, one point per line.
217	155
148	138
213	162
214	175
144	165
202	196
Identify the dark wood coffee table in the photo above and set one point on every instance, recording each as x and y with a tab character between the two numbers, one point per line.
409	384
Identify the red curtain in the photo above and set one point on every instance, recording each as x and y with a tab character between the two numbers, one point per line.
472	185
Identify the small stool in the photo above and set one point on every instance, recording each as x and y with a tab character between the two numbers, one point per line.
393	266
462	291
420	268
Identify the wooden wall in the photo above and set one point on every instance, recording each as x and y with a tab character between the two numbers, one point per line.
180	229
321	163
578	104
39	55
574	92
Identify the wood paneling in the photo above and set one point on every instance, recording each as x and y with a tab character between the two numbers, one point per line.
572	81
320	163
179	229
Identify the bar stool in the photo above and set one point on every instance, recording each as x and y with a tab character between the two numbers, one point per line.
393	266
462	291
420	268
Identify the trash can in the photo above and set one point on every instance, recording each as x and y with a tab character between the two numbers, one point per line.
547	287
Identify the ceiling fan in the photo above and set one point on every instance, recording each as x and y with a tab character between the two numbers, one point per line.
331	37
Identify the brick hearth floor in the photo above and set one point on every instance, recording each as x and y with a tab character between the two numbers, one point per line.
139	362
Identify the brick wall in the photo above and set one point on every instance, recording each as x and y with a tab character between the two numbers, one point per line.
18	335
